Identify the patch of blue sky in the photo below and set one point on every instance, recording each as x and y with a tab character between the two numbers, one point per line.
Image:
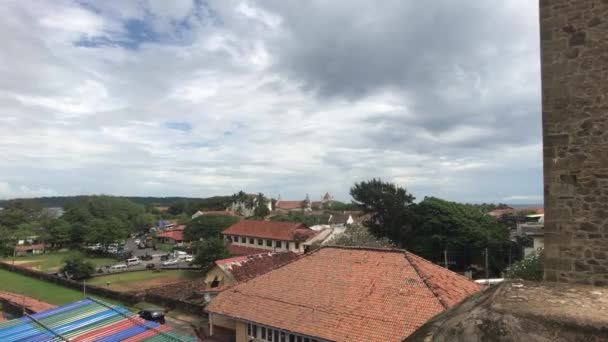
178	125
137	31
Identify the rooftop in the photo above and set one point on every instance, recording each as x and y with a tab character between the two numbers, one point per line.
285	231
177	235
347	294
242	250
86	320
245	267
288	205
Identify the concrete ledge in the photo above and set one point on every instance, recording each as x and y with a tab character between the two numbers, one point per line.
524	311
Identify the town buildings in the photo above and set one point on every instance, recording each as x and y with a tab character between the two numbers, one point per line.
339	294
172	236
267	236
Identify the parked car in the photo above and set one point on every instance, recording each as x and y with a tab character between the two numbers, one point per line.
153	314
146	257
170	262
119	267
133	261
189	258
150	266
137	241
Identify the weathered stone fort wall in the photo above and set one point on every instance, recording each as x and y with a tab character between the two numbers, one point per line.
574	42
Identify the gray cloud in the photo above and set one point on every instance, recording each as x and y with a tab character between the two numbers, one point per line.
282	97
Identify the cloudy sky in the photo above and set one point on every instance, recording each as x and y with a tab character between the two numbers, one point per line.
198	98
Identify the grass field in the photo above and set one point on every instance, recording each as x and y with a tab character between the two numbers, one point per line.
53	261
46	292
130	281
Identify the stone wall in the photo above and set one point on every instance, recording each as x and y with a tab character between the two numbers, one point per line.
574	41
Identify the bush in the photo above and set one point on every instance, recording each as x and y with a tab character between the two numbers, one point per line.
76	267
530	268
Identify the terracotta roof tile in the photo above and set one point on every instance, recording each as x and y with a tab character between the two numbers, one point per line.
242	250
285	231
346	294
288	205
242	268
177	235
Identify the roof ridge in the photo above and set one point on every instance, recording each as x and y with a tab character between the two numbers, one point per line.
447	269
425	281
365	248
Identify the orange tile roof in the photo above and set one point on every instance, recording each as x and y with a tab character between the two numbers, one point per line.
177	235
288	205
242	250
347	294
245	267
285	231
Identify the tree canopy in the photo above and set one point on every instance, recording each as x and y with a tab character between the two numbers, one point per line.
211	250
208	226
443	224
387	206
358	235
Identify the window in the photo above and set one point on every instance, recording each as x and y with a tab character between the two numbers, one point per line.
255	331
269	243
299	339
243	239
260	242
278	244
215	283
263	333
270	335
249	329
292	338
297	245
282	337
306	339
251	241
276	336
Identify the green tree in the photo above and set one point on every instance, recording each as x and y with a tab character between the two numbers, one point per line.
358	235
530	268
446	226
144	221
211	250
302	217
388	208
208	226
106	231
261	206
76	267
60	232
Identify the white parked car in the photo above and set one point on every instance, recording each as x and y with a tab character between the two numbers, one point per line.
189	258
170	262
137	241
119	267
133	261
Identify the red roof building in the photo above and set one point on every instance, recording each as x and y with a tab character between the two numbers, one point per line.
288	205
172	236
269	235
340	294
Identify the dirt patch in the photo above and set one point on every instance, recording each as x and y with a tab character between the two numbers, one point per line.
22	262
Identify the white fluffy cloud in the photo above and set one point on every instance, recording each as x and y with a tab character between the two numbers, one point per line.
197	99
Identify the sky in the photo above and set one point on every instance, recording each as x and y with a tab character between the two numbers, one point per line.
285	97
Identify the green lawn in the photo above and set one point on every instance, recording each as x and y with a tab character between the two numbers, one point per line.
53	261
129	281
47	292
